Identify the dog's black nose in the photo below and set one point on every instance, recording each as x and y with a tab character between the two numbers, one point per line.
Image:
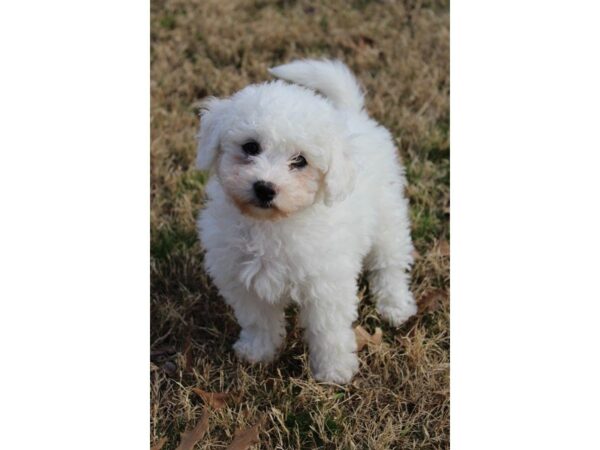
264	191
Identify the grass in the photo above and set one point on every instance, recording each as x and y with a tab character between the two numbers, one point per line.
399	51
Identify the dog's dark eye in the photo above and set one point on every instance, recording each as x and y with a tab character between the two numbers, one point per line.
298	162
251	148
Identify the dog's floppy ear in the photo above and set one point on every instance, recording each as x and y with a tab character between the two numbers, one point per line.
212	113
340	177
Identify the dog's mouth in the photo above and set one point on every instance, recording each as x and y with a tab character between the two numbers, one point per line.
262	210
263	205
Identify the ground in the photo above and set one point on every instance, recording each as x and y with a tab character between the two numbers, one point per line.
400	397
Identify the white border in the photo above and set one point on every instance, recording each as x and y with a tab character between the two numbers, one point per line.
525	224
74	231
74	234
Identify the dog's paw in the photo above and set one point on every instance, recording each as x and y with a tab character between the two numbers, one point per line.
255	349
339	370
399	313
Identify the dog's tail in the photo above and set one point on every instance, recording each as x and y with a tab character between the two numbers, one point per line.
331	78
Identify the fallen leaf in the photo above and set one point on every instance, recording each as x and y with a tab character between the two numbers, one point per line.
215	400
191	437
431	301
161	442
243	439
377	337
363	337
444	248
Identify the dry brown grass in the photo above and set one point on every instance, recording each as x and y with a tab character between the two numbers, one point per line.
400	398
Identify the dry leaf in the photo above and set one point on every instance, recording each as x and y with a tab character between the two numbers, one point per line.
363	337
191	437
161	442
444	248
243	439
431	301
215	400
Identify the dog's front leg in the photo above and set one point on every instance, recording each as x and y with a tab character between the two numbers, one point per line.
327	315
263	326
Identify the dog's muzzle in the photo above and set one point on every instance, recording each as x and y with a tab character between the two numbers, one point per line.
264	192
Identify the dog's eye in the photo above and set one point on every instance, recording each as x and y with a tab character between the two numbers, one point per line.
251	148
298	162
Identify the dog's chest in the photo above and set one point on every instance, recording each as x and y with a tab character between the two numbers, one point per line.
266	263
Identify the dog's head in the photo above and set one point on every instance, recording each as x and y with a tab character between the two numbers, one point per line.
276	149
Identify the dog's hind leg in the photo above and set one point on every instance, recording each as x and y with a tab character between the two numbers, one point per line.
390	260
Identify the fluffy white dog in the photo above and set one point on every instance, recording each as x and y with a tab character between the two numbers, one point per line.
304	189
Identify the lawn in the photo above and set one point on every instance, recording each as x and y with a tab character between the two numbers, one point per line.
400	397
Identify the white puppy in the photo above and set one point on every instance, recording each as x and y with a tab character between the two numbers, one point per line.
304	189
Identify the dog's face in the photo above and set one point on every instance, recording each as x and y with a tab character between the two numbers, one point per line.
265	178
276	148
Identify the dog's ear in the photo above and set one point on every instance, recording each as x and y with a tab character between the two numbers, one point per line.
212	113
340	176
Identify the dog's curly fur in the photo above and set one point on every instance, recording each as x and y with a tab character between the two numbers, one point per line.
308	244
